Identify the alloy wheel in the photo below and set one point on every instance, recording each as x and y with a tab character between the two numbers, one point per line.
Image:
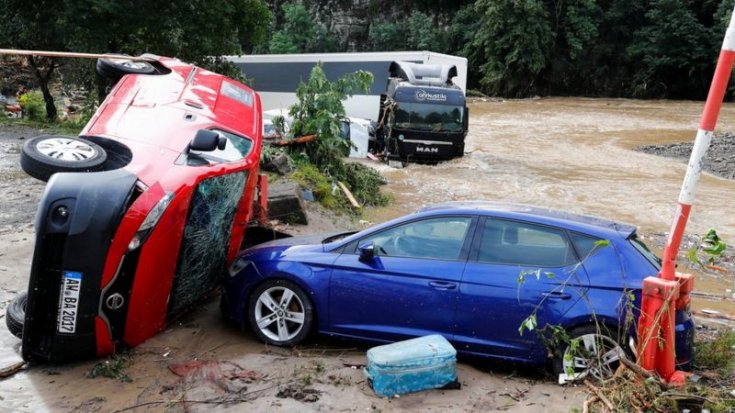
279	314
70	150
593	355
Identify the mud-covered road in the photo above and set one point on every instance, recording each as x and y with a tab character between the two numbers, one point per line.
572	154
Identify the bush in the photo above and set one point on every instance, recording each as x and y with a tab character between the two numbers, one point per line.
34	107
717	354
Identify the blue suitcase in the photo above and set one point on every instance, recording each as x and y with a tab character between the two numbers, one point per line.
413	365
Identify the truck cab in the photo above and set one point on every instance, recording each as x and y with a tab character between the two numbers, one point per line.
423	114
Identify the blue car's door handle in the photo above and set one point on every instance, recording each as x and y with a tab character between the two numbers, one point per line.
557	295
442	285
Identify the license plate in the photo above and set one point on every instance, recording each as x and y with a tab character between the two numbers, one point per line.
69	302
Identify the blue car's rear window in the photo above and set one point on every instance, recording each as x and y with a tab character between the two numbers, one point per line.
643	250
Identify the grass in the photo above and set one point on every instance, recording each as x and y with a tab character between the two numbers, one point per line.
112	368
717	354
58	127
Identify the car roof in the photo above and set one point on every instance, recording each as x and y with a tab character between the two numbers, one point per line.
582	223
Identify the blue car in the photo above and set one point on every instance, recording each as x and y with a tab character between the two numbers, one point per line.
491	278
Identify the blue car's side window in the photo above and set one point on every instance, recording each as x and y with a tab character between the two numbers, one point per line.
435	238
520	243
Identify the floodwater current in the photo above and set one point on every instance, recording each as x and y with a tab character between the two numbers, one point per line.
576	155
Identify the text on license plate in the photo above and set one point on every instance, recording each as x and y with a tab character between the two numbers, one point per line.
69	301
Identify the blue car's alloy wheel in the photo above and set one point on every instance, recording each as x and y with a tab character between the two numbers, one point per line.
590	353
280	313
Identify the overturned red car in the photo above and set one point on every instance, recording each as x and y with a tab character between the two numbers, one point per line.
142	212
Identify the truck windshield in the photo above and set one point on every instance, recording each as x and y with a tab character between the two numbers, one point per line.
428	116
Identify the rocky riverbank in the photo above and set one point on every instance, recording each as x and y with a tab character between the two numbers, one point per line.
719	160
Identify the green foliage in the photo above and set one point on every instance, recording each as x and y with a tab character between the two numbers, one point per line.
418	32
674	52
515	40
712	246
716	354
33	106
112	368
319	111
301	33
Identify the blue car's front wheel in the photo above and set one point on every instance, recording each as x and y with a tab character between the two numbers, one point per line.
280	313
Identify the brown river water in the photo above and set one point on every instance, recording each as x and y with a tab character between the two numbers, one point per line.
571	154
576	155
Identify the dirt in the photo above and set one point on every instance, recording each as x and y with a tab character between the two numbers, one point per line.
572	154
719	160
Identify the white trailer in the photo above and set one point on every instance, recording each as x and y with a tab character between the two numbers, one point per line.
276	76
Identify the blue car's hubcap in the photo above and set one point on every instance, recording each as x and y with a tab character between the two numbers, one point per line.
593	355
279	314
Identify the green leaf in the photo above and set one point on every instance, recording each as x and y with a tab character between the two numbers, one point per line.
692	255
528	324
602	243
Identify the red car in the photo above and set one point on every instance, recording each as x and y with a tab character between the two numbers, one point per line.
162	187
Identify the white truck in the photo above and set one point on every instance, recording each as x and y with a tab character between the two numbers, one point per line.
276	76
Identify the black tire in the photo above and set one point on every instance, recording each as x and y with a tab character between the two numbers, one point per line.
15	314
38	162
606	336
460	150
266	334
115	69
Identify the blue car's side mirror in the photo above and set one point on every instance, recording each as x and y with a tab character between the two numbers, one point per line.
367	251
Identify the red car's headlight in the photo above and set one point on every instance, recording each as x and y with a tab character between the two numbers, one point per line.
150	221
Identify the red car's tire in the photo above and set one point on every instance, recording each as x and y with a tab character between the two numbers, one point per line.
15	314
115	69
46	155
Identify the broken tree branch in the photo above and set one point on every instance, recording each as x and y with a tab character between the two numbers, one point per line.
596	391
42	53
349	195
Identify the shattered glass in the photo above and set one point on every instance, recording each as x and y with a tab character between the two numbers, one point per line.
206	238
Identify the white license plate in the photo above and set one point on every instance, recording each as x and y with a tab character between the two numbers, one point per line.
69	302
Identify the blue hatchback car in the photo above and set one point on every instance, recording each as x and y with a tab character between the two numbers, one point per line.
471	271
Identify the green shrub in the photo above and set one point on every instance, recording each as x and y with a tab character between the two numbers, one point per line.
717	354
34	107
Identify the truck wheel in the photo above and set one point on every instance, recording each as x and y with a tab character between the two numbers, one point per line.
15	314
43	156
115	69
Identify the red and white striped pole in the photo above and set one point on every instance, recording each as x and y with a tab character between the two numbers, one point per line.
657	319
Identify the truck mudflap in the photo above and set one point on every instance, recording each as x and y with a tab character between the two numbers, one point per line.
77	218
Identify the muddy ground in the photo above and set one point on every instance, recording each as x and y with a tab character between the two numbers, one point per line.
204	364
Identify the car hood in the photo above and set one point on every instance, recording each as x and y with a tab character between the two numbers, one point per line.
312	242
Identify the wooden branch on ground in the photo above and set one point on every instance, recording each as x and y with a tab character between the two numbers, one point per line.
596	391
349	195
300	139
588	403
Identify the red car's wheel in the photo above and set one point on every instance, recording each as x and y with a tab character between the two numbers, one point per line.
115	69
43	156
280	313
15	314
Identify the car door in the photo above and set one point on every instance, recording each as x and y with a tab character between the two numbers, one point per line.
516	269
409	288
215	218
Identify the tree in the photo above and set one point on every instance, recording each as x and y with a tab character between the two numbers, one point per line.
301	34
34	25
418	32
197	31
515	38
674	51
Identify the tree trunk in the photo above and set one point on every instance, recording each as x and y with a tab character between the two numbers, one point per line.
43	81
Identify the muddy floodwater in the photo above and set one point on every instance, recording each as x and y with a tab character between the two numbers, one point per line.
577	155
570	154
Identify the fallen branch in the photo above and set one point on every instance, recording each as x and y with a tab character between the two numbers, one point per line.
349	195
599	395
12	369
42	53
300	139
588	402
